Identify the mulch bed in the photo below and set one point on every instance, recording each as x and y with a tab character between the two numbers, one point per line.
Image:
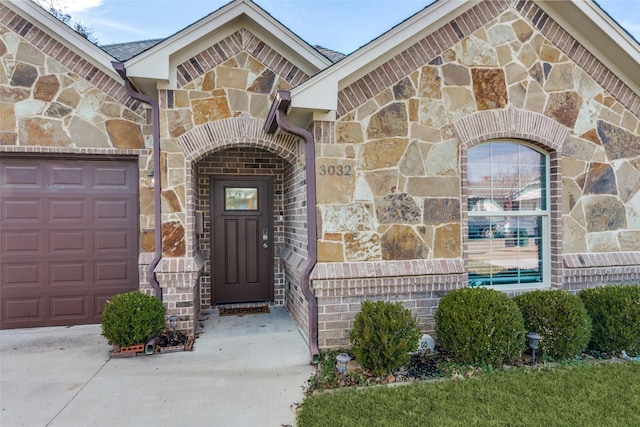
422	367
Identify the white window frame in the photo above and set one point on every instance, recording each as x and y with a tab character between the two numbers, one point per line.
545	215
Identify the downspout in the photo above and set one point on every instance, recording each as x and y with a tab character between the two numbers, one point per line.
155	123
275	119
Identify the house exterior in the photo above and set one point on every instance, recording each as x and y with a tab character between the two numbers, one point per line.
474	144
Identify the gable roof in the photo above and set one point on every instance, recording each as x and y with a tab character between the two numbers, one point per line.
156	64
127	50
62	33
584	20
332	55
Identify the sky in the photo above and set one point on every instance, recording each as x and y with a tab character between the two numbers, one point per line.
340	25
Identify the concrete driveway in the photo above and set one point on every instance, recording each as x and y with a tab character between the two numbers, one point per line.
244	371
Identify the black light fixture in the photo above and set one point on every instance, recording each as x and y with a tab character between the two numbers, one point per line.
150	180
534	341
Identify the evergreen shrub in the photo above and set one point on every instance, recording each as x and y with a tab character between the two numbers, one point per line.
560	318
383	334
615	314
132	318
480	326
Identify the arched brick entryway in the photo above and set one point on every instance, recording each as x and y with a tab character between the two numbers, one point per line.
239	146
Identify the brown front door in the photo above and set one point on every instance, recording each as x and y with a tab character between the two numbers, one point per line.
242	256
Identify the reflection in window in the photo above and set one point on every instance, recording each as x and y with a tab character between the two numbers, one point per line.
240	199
507	214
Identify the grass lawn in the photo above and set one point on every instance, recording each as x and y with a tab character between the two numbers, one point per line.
600	395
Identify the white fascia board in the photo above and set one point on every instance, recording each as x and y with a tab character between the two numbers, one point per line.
157	62
63	34
600	35
321	91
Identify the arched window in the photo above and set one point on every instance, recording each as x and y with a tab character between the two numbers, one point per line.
508	214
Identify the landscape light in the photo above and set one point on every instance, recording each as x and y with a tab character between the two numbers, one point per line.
534	340
173	320
342	359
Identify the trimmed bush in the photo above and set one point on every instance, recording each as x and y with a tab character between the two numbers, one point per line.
615	314
132	318
383	334
480	326
559	318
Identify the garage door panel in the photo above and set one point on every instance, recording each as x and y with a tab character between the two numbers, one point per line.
20	244
69	307
111	241
69	273
22	310
23	211
68	238
21	176
68	241
112	209
21	275
69	176
107	177
112	272
65	210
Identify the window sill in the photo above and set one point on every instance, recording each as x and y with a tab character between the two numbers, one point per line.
525	287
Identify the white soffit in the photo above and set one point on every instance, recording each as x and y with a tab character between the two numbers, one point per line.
158	62
600	35
46	22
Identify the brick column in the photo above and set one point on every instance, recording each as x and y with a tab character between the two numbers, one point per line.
179	279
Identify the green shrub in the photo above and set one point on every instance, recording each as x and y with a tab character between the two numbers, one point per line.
559	318
480	326
132	318
615	314
383	334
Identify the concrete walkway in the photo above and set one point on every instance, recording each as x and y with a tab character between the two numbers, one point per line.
244	371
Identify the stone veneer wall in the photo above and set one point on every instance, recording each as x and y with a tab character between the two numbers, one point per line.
240	161
51	97
18	34
402	133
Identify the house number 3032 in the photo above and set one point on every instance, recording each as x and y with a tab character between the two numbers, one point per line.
337	170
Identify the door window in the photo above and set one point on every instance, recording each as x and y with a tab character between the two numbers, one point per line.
240	198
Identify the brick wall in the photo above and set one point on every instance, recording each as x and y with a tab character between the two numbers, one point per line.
239	161
294	250
596	269
179	281
417	284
